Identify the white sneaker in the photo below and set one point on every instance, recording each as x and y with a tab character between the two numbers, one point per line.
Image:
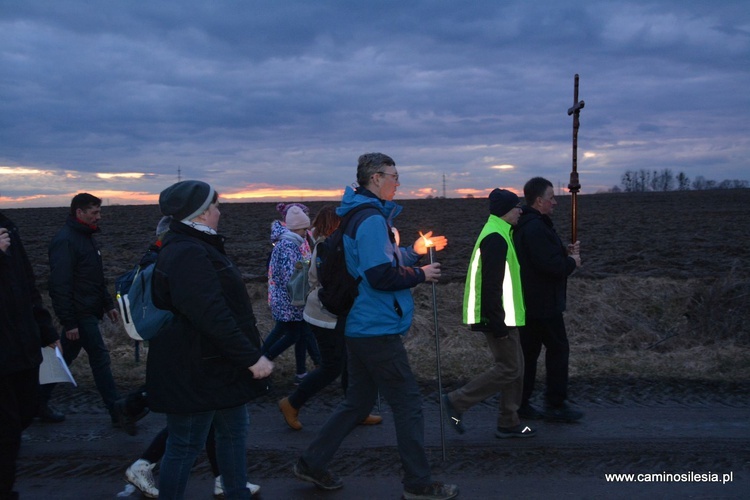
141	475
219	488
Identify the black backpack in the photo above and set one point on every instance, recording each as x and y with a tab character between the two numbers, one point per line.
338	287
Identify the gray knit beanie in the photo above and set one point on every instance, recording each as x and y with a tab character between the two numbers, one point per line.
186	199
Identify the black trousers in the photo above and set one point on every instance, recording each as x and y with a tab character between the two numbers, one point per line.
19	400
550	333
333	354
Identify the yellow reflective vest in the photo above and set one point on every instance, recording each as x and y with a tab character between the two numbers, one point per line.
515	312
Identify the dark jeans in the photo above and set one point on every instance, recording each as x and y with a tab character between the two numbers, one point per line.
158	446
377	363
19	400
308	343
187	437
90	340
333	353
551	333
291	333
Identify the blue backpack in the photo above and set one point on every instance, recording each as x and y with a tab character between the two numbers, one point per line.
141	318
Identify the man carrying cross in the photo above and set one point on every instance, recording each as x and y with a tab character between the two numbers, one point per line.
545	266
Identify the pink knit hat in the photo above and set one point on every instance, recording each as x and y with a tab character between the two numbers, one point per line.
296	218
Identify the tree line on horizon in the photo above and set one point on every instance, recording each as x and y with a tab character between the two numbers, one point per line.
639	181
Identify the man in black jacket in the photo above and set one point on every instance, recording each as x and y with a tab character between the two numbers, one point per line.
545	266
25	327
80	299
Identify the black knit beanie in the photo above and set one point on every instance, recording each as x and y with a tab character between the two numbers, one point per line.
502	201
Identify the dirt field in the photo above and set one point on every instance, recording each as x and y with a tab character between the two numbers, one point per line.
677	234
658	320
663	274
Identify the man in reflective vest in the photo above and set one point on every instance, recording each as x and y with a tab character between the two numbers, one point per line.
493	305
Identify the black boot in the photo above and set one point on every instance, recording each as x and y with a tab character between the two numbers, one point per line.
48	414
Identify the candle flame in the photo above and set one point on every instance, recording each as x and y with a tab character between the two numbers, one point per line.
427	241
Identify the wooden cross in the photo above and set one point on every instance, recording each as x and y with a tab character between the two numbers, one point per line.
574	186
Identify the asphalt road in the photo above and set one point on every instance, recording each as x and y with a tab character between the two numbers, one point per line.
677	450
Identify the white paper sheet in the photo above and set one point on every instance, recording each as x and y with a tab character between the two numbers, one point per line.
53	368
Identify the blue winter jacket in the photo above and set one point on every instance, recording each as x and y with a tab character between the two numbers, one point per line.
384	305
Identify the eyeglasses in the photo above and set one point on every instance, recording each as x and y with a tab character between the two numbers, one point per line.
395	176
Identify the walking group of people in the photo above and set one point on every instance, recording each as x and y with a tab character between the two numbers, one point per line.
209	360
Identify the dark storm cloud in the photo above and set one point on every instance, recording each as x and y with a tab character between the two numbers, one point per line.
289	93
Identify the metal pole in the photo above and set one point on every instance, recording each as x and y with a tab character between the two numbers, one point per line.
437	355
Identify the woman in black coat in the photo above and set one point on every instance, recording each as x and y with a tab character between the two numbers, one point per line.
206	363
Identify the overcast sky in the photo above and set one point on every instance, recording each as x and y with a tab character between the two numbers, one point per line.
279	98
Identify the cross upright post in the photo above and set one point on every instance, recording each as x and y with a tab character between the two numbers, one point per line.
574	186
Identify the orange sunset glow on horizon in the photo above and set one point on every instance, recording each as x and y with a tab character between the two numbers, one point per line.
248	193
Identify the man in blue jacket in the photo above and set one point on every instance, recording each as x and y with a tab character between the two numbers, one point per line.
381	315
80	299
